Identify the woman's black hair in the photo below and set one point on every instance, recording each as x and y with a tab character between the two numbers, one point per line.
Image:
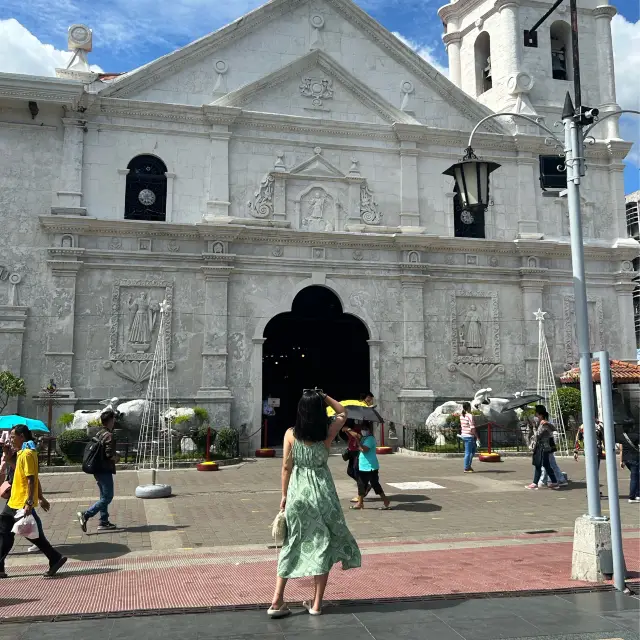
23	430
312	423
466	408
541	410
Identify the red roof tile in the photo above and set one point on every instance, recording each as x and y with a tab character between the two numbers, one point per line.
623	373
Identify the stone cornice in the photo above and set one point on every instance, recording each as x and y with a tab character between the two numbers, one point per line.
452	37
605	11
291	237
39	89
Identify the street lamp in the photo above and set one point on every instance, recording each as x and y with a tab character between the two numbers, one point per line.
472	177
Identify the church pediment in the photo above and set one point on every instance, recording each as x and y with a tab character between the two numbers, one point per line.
395	83
317	166
314	86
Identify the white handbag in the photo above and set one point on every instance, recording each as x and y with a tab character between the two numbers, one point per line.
279	528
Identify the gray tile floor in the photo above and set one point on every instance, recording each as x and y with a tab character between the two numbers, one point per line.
588	616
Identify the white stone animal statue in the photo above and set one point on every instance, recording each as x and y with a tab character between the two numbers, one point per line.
491	409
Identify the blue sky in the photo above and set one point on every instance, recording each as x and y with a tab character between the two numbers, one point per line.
129	33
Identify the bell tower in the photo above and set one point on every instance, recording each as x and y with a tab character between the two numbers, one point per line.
496	60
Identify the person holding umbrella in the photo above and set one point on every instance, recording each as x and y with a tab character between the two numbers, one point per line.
26	493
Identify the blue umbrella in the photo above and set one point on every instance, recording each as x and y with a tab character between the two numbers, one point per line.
8	422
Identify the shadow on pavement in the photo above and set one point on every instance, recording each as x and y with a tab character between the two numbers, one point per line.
12	602
417	507
94	550
408	497
86	572
149	528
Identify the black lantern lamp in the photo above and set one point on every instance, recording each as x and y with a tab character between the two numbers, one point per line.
472	179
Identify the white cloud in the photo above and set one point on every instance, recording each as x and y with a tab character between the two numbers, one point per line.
425	51
22	52
626	50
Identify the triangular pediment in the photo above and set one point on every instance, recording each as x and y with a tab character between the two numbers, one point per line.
305	76
203	70
317	167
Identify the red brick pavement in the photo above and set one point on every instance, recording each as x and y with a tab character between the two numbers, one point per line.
210	579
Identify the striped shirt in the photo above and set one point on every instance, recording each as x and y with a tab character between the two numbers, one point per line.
466	424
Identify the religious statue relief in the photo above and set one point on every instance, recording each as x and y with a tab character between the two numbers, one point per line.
316	206
471	338
135	317
143	314
475	327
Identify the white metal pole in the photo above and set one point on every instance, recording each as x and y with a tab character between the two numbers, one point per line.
619	570
573	162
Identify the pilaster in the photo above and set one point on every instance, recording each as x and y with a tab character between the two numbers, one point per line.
452	42
218	200
532	285
70	182
604	47
409	206
414	358
61	329
13	320
214	345
624	292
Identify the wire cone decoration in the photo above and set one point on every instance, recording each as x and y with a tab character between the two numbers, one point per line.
155	446
547	386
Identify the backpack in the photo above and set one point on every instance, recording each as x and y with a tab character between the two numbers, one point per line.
93	456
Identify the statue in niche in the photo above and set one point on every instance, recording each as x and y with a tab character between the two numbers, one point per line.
143	314
316	206
471	331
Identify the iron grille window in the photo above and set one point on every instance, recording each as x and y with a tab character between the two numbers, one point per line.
465	223
146	192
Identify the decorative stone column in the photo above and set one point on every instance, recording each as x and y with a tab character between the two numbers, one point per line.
604	47
625	289
452	42
60	332
214	346
416	401
70	183
509	63
256	383
218	201
13	319
532	287
374	366
409	206
527	192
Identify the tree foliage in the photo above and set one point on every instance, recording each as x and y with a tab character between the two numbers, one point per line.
570	403
10	387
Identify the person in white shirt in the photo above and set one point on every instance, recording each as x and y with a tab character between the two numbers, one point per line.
469	435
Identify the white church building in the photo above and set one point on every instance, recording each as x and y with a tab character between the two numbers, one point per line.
280	184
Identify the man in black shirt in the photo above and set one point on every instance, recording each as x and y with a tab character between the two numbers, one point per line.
630	457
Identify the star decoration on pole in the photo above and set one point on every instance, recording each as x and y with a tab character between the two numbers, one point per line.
539	315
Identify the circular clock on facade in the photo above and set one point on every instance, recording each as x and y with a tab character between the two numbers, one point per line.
147	197
80	37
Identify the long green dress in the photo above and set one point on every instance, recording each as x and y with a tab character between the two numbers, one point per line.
317	534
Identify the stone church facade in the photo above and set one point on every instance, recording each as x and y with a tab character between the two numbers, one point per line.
302	145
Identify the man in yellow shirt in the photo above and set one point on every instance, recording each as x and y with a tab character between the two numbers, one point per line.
25	494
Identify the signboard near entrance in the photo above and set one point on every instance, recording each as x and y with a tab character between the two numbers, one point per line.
273	402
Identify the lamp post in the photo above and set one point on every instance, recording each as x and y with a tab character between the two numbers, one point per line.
472	179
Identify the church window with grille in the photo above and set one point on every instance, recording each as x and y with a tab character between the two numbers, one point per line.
465	223
146	191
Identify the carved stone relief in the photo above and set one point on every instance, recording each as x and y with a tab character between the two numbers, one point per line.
316	209
277	252
221	68
318	89
262	204
596	328
217	247
144	244
135	317
358	255
368	206
13	280
115	244
475	328
173	246
317	23
67	242
318	253
413	257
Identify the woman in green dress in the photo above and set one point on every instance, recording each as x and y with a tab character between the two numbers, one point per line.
317	534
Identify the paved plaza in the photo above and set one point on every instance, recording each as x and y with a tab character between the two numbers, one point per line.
208	547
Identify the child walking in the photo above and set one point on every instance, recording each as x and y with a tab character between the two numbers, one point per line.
368	468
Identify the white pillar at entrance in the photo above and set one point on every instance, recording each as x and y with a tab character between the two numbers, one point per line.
256	383
374	367
604	48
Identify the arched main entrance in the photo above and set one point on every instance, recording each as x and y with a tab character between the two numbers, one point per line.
315	344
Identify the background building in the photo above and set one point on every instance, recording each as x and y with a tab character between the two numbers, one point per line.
280	183
632	203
